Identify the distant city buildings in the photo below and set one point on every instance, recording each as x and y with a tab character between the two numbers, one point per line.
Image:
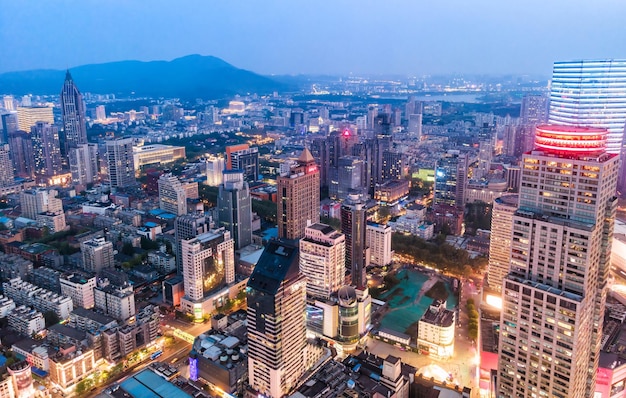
242	157
172	195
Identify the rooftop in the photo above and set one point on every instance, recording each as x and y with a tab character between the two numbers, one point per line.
146	383
279	261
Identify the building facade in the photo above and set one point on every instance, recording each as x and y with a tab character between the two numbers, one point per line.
554	294
276	324
298	198
97	254
234	205
172	195
378	241
322	260
120	162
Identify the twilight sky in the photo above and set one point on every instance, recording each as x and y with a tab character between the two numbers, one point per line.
322	36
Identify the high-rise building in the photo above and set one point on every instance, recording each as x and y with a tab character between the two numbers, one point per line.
554	294
27	117
323	260
117	301
215	166
276	321
101	112
590	93
320	152
83	160
393	166
500	239
73	114
298	198
187	227
8	102
234	205
242	157
79	287
353	226
378	241
350	178
208	265
46	149
6	166
120	163
451	179
35	201
172	195
97	254
534	110
21	146
9	125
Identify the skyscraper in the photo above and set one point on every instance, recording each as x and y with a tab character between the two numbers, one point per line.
208	265
590	93
353	226
298	198
6	166
120	162
350	178
234	204
242	157
450	179
73	113
9	125
187	227
534	110
323	260
500	239
21	146
554	294
83	161
46	149
172	196
27	117
276	321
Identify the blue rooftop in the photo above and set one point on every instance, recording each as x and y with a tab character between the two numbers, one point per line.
167	216
156	212
151	224
147	384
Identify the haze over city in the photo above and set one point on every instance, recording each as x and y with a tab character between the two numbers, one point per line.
320	37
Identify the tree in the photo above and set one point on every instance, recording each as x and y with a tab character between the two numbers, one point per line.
148	244
128	249
168	247
51	318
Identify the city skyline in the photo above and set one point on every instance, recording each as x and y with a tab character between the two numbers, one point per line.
455	37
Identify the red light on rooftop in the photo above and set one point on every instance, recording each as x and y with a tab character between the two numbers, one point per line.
570	140
346	133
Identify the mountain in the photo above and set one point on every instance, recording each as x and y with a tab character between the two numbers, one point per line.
189	77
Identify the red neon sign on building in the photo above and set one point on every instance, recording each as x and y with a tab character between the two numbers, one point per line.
570	140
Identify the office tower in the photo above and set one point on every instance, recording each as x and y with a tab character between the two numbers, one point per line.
6	166
393	166
322	260
276	321
208	265
450	179
215	166
485	155
242	157
73	113
172	196
187	227
500	240
234	205
9	126
35	201
350	176
353	226
83	160
378	241
298	198
120	162
534	109
27	117
320	152
590	93
21	146
46	149
8	103
101	112
554	294
97	254
415	125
